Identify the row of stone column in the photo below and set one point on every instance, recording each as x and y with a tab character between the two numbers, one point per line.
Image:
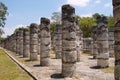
25	41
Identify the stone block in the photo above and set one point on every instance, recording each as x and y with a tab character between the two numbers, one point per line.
68	35
68	69
45	41
45	54
69	56
103	63
44	34
68	45
45	61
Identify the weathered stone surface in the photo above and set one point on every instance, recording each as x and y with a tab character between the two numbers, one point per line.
111	42
102	42
21	41
45	42
103	63
116	13
69	53
68	45
94	44
33	41
87	44
69	56
68	69
26	50
45	61
58	41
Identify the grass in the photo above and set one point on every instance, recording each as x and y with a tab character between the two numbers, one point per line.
86	53
9	70
52	53
108	70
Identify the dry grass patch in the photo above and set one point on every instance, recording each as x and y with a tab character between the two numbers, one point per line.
108	70
9	70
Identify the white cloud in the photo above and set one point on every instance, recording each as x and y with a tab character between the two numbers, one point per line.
97	1
108	4
81	3
87	15
59	9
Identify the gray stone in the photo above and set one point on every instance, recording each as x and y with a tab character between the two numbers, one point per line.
69	53
102	42
45	42
26	50
33	41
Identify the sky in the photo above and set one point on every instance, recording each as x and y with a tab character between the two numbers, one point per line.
24	12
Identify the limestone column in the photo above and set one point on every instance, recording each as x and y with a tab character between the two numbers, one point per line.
102	42
94	46
21	41
45	42
17	42
69	52
26	40
14	42
33	41
58	41
116	13
78	41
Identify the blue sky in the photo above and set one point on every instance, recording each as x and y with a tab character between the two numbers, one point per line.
25	12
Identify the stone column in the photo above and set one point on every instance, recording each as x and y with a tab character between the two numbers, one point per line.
116	13
14	42
111	42
78	41
102	42
58	41
38	41
33	41
21	41
94	46
45	42
69	52
26	40
17	42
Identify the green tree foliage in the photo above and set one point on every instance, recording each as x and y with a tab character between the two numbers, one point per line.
110	21
3	14
86	24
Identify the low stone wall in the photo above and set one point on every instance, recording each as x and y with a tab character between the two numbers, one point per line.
87	44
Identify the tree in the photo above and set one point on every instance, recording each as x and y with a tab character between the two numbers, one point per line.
86	24
56	17
3	13
96	15
110	21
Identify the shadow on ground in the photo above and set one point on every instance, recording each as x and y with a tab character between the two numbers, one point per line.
95	67
57	76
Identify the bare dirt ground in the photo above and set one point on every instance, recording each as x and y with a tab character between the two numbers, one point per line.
85	69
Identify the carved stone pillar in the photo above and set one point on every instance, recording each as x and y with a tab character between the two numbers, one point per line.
21	41
94	46
26	40
69	52
116	13
33	41
58	41
45	42
102	42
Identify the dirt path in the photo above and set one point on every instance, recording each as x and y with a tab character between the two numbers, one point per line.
85	69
